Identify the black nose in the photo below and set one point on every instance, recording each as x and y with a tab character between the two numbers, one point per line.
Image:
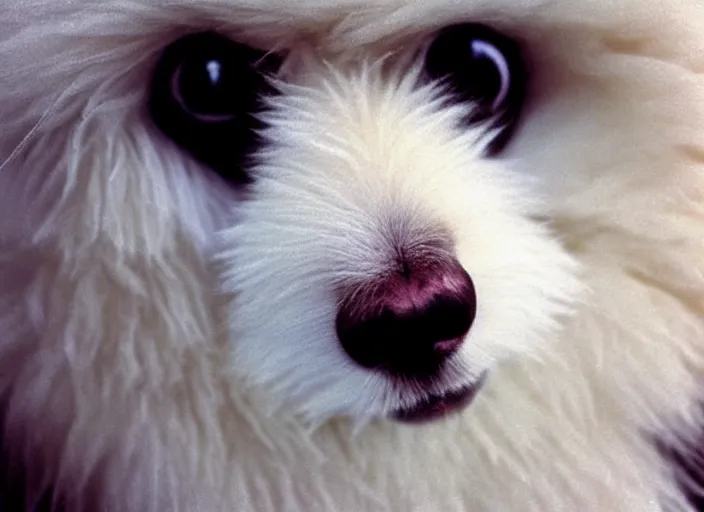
408	325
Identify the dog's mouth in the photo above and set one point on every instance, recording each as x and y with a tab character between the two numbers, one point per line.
438	406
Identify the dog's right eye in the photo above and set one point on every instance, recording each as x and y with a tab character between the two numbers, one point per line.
205	94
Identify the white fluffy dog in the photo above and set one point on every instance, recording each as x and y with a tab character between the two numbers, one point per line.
350	255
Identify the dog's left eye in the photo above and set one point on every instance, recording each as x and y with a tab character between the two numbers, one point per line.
205	94
481	66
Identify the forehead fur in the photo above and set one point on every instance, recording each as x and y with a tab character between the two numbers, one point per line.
343	24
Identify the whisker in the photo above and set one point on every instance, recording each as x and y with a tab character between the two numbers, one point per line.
28	137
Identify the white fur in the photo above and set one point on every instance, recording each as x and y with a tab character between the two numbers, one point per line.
168	345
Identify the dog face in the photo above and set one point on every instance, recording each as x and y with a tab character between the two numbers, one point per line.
374	184
383	258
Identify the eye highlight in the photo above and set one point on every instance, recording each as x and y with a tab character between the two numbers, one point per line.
205	93
204	88
481	66
483	51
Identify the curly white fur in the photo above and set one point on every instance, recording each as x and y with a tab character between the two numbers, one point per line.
166	345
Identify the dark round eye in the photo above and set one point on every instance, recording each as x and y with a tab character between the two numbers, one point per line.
484	67
205	95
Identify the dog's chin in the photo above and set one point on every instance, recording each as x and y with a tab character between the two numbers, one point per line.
437	406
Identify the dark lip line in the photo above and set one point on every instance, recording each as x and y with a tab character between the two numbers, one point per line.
439	406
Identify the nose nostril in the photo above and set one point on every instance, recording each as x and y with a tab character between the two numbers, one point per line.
409	327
